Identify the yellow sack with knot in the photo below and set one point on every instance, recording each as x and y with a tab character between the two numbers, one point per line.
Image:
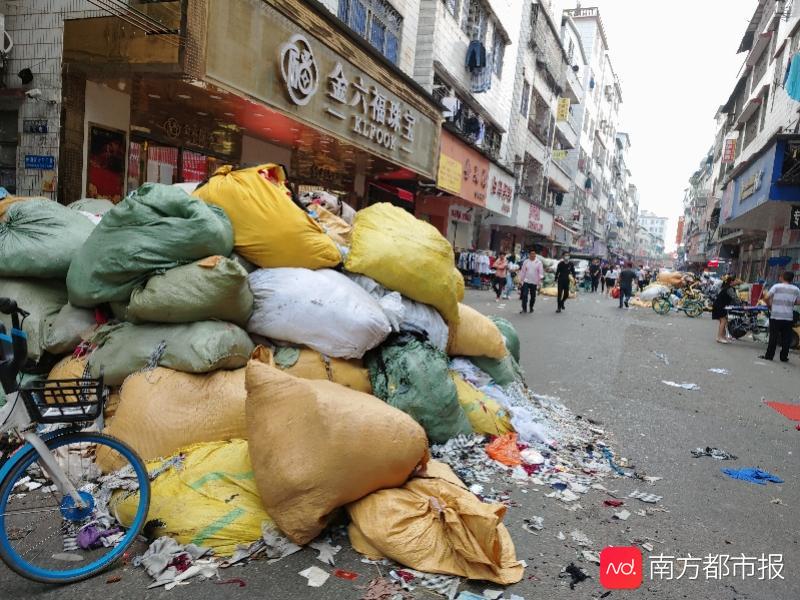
269	229
208	497
475	335
484	413
406	255
310	364
436	525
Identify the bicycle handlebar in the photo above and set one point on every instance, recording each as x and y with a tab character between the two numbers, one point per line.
9	307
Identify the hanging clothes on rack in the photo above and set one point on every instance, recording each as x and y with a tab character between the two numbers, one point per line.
476	55
481	78
792	80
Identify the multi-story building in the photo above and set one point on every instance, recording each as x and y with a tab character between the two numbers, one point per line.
750	178
654	224
587	206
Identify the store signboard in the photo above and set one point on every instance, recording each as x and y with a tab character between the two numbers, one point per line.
461	214
794	217
474	168
729	151
540	221
562	112
321	83
40	162
500	195
449	175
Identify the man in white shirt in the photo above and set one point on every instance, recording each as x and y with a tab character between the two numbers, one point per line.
530	277
781	300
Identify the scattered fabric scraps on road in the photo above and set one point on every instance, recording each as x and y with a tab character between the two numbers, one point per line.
752	475
720	371
790	411
645	497
715	453
685	386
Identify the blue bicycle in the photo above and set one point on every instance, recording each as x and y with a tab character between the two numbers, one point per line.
57	508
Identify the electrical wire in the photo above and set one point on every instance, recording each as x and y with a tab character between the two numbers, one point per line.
137	19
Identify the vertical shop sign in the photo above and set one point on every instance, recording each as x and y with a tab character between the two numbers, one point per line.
562	113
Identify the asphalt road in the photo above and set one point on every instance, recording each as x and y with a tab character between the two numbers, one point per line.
602	363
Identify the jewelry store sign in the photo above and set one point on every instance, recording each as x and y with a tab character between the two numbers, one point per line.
309	81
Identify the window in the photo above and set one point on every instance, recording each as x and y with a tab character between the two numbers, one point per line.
377	21
452	7
764	102
498	49
526	99
475	21
571	51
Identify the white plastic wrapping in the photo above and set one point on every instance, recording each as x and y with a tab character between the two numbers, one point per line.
321	309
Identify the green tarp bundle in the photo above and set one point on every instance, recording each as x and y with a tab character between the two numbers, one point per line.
509	335
156	228
201	347
43	299
214	288
413	376
39	238
504	371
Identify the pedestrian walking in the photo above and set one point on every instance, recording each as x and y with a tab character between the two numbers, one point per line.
594	273
513	267
611	278
640	278
781	299
530	277
726	297
603	276
626	278
500	271
564	270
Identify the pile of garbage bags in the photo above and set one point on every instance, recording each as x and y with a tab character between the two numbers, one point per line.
275	361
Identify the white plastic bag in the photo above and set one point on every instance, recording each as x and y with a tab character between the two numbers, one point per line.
417	317
652	292
321	309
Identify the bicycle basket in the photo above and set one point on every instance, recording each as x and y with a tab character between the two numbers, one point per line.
64	400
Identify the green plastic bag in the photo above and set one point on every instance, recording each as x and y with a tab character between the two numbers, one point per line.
43	299
413	376
509	335
65	330
39	238
154	229
214	288
95	206
504	371
201	347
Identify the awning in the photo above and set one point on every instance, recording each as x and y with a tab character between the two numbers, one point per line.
398	192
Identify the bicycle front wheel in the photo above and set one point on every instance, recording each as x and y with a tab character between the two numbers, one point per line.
45	535
661	306
693	309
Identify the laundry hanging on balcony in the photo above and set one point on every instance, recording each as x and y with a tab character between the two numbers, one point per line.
791	81
476	55
481	79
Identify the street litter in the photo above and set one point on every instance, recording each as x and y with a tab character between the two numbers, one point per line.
560	535
326	551
316	577
492	594
685	386
622	515
715	453
720	371
347	575
533	524
752	475
663	357
788	410
575	574
614	503
645	497
591	556
580	538
777	501
383	589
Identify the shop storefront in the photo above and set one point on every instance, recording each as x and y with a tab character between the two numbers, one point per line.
254	82
462	187
761	201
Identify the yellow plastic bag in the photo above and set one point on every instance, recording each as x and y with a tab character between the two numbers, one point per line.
210	499
552	291
475	335
163	410
484	413
405	255
316	446
269	229
339	230
435	525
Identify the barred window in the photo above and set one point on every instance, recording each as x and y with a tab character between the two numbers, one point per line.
377	21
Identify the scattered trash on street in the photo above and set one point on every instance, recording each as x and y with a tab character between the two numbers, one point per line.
622	515
752	475
645	497
715	453
685	386
720	371
533	524
316	577
575	574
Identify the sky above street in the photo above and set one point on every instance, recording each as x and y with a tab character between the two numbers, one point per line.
677	63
